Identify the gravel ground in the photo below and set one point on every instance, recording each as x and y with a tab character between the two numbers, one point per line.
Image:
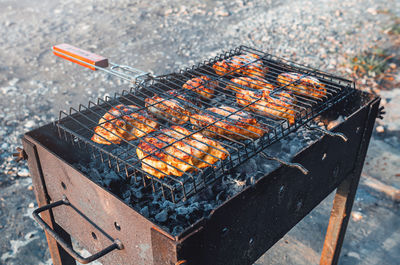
162	37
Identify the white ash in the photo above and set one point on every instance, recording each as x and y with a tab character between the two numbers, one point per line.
175	217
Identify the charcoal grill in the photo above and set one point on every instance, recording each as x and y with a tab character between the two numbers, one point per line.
236	232
77	125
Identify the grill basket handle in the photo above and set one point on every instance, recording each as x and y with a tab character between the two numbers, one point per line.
115	245
79	56
98	62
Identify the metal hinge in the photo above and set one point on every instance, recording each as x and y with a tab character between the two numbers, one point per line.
381	112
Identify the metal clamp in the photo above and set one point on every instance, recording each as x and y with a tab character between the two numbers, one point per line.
288	164
333	134
115	245
133	73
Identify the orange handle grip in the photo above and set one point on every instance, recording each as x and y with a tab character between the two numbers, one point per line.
79	56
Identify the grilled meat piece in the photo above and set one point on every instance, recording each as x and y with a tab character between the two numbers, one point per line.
177	109
280	105
303	85
248	64
240	125
247	82
259	97
202	85
221	67
123	122
183	154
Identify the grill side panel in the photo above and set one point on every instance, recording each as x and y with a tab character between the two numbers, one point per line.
101	212
245	227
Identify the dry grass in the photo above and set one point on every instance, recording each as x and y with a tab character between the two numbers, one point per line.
374	70
371	64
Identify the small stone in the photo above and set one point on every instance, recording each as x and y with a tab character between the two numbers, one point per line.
356	216
31	205
222	13
380	129
168	12
23	173
353	255
4	146
162	216
30	124
30	187
8	89
13	81
8	23
372	11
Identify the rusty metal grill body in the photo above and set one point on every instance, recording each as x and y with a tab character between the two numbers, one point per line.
78	125
237	232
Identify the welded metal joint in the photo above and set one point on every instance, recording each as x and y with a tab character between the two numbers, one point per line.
330	133
288	164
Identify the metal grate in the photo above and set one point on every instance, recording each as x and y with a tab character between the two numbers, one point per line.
78	125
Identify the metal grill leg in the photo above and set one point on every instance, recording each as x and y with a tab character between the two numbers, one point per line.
339	219
344	198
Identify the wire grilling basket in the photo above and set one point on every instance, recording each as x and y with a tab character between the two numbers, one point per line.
237	133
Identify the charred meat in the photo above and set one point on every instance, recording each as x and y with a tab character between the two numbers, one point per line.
280	105
123	122
229	122
202	85
175	107
302	85
248	64
240	83
175	151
